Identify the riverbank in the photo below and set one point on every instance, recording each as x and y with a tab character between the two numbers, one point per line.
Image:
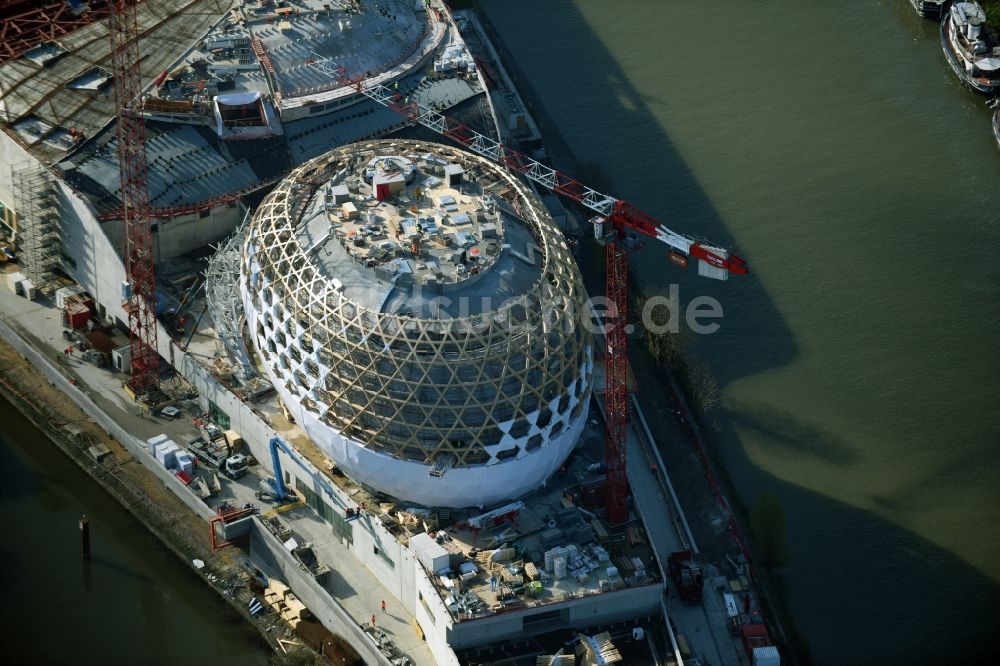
140	493
673	398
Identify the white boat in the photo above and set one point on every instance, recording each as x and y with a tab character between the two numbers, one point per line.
996	124
932	9
970	51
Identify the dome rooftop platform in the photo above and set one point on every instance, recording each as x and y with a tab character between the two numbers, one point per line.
439	246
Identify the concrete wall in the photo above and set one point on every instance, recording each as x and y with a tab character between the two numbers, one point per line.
614	606
243	419
435	624
100	270
331	614
134	445
180	235
404	578
176	236
265	548
98	264
11	155
95	247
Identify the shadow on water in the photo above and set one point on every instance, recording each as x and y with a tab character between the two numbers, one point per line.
891	598
887	595
99	563
789	435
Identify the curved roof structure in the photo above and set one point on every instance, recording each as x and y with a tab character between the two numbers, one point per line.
427	337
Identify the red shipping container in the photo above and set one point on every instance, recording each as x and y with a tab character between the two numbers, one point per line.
78	317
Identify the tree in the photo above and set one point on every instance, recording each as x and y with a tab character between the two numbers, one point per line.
767	523
663	344
704	391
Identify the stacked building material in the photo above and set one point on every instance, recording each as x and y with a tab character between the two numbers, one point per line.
65	293
531	571
153	442
283	601
185	462
14	281
166	454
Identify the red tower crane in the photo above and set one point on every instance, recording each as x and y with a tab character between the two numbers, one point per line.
614	220
140	294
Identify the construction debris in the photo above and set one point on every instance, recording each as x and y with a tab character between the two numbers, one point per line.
599	649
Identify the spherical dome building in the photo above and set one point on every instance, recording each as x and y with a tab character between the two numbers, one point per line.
429	337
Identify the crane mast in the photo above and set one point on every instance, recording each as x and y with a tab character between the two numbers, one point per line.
140	297
613	223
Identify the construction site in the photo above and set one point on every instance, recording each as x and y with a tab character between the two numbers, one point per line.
311	244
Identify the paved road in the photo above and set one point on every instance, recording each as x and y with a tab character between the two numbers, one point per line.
704	625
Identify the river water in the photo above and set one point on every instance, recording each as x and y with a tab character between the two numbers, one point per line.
132	603
858	365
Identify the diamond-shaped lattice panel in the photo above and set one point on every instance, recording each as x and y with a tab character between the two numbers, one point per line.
485	388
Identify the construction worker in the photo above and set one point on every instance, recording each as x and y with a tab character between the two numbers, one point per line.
373	620
383	605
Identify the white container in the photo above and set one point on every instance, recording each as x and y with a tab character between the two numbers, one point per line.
152	442
28	290
160	449
13	280
559	567
185	464
166	454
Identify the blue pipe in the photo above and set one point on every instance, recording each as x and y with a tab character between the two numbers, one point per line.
279	479
280	490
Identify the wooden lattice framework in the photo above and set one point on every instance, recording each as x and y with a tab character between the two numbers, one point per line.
482	389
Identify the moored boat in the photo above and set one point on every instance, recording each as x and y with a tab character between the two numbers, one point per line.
932	9
971	52
996	123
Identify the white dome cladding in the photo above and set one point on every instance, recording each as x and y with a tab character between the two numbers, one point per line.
427	338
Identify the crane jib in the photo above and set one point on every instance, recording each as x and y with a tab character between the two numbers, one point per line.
623	215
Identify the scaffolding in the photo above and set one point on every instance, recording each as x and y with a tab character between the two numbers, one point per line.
39	237
225	304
